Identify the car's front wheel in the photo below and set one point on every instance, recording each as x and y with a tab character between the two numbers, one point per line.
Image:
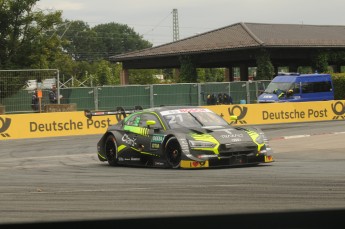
173	152
111	150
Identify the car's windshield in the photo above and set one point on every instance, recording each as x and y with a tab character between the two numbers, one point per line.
281	86
195	117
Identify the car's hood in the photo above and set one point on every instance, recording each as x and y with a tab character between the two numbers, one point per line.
266	98
226	134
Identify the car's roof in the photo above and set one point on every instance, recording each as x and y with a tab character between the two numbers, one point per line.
302	77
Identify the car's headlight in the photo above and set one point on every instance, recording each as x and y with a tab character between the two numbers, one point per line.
260	139
201	144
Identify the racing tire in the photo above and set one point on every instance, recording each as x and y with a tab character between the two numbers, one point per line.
110	148
173	153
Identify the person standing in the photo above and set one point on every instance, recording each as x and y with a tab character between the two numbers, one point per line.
35	101
53	95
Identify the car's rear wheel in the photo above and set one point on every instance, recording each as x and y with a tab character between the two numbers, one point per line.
111	150
173	152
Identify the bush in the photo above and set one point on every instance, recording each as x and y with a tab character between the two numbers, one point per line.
339	85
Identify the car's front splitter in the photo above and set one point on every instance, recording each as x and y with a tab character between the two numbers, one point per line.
224	162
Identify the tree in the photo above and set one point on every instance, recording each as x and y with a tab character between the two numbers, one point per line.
33	38
143	76
265	69
323	59
81	41
210	74
320	62
113	38
95	45
99	42
188	73
25	34
27	40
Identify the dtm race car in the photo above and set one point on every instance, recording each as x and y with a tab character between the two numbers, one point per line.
180	137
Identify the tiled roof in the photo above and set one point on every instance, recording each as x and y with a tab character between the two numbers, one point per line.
299	35
246	35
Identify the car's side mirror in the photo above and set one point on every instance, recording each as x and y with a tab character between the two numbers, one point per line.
150	123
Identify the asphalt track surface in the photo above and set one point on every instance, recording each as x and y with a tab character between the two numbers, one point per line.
60	179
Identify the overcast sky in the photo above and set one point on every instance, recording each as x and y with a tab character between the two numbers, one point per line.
153	19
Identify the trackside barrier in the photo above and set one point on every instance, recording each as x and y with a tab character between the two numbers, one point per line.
75	123
17	96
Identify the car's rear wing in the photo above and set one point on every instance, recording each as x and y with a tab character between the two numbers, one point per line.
120	112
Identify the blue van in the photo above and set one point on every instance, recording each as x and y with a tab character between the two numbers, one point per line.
295	87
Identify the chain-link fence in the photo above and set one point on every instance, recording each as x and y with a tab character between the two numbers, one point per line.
17	88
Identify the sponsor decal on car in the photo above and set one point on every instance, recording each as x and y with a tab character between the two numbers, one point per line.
231	136
268	158
194	164
184	145
185	111
158	163
157	138
128	140
155	145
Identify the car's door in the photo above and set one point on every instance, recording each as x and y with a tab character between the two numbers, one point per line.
131	153
151	137
139	136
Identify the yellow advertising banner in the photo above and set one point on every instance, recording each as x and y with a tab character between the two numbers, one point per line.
52	125
18	126
273	113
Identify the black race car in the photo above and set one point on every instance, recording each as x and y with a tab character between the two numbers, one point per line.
180	137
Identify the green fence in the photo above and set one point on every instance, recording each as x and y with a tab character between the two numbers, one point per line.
129	96
175	94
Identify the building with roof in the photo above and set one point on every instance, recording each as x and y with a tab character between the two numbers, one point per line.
237	45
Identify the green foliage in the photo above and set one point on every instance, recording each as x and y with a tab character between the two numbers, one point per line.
168	75
117	38
105	73
143	76
80	41
210	74
320	62
323	59
31	38
101	41
305	69
265	69
25	40
188	73
339	85
95	45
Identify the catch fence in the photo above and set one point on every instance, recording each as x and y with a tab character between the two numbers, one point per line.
17	88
